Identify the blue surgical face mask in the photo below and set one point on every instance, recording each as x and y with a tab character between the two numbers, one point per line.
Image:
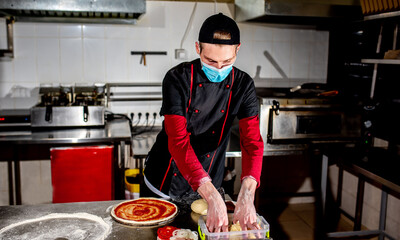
214	74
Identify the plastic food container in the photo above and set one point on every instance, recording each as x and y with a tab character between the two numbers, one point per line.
262	233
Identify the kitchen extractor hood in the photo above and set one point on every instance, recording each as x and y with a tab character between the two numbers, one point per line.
299	12
84	11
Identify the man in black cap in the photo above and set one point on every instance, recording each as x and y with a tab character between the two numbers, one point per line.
201	99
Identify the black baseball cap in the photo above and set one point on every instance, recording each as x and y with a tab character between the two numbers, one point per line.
219	22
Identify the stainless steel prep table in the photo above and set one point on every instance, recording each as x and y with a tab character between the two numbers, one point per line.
116	132
13	214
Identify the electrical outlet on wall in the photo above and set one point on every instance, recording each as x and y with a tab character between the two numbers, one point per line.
141	114
181	54
146	119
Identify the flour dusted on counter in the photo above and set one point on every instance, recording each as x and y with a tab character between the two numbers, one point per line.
72	226
109	208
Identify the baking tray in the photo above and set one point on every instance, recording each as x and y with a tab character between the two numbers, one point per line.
262	233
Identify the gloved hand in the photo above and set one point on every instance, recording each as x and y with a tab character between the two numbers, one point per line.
245	211
217	217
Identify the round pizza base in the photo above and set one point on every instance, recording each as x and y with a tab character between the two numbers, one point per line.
144	223
73	226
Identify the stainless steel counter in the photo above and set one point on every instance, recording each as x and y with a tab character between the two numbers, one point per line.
116	130
13	214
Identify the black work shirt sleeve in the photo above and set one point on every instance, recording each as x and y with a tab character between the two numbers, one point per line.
249	105
174	93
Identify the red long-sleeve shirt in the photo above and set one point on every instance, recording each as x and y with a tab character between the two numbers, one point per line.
252	147
187	162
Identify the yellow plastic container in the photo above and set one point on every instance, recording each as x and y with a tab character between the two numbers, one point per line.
132	189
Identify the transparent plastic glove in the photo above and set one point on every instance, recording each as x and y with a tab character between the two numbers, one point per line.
217	217
245	212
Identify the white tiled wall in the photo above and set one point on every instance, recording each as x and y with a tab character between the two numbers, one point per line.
63	53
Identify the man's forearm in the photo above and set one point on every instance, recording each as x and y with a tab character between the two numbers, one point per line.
248	189
208	191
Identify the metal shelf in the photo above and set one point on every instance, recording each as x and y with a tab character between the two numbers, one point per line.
376	62
132	96
381	61
382	15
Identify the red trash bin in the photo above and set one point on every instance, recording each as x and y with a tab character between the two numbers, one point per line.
82	174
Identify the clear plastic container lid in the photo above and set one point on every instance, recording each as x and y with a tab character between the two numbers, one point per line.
262	233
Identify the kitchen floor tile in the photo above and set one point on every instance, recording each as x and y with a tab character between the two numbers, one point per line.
302	207
288	215
308	217
298	230
297	222
345	224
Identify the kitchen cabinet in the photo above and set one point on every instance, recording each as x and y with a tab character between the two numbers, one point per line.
82	174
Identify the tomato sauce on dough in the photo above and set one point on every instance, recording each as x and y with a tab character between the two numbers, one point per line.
142	210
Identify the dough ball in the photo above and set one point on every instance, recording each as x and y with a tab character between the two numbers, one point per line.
235	227
195	216
200	206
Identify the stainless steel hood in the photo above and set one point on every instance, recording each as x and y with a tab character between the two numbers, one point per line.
85	11
308	12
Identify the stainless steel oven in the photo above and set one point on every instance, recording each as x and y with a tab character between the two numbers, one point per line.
289	123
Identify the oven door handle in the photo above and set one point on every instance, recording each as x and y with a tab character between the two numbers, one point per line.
270	125
274	109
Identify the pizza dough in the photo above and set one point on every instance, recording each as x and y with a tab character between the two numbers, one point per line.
72	226
144	211
237	228
200	206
